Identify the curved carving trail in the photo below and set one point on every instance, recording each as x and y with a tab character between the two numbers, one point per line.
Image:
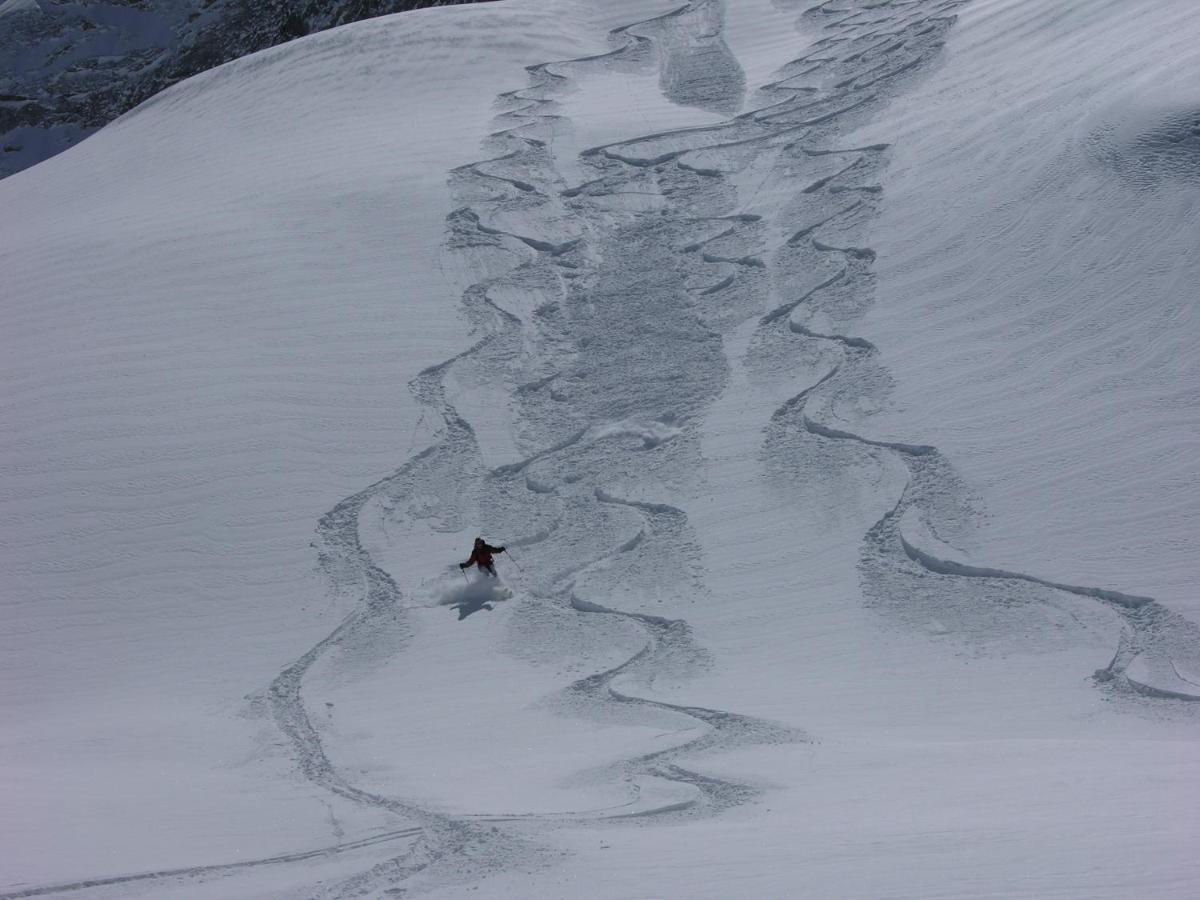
591	299
603	388
589	310
590	395
1159	651
200	873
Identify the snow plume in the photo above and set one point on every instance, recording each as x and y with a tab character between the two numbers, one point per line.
474	596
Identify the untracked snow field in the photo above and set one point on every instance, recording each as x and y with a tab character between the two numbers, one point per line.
831	374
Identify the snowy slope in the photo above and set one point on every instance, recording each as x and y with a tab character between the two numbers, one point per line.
1044	335
212	312
828	373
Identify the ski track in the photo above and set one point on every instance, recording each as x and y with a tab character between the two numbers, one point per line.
626	294
587	356
199	873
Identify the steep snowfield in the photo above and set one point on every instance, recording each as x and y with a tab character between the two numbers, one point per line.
828	372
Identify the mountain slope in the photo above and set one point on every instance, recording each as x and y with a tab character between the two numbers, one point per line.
707	313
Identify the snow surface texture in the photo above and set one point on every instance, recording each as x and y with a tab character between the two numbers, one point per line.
774	630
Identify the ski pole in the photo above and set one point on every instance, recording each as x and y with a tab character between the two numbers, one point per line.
464	575
514	561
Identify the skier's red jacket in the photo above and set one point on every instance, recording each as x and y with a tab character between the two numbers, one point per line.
481	556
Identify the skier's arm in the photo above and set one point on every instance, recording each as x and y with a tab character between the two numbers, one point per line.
470	562
492	549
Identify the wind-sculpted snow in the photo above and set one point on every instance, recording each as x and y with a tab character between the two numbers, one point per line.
1149	147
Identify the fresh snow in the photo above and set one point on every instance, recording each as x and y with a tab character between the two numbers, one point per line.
828	372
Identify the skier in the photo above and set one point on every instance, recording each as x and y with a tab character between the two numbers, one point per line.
481	556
